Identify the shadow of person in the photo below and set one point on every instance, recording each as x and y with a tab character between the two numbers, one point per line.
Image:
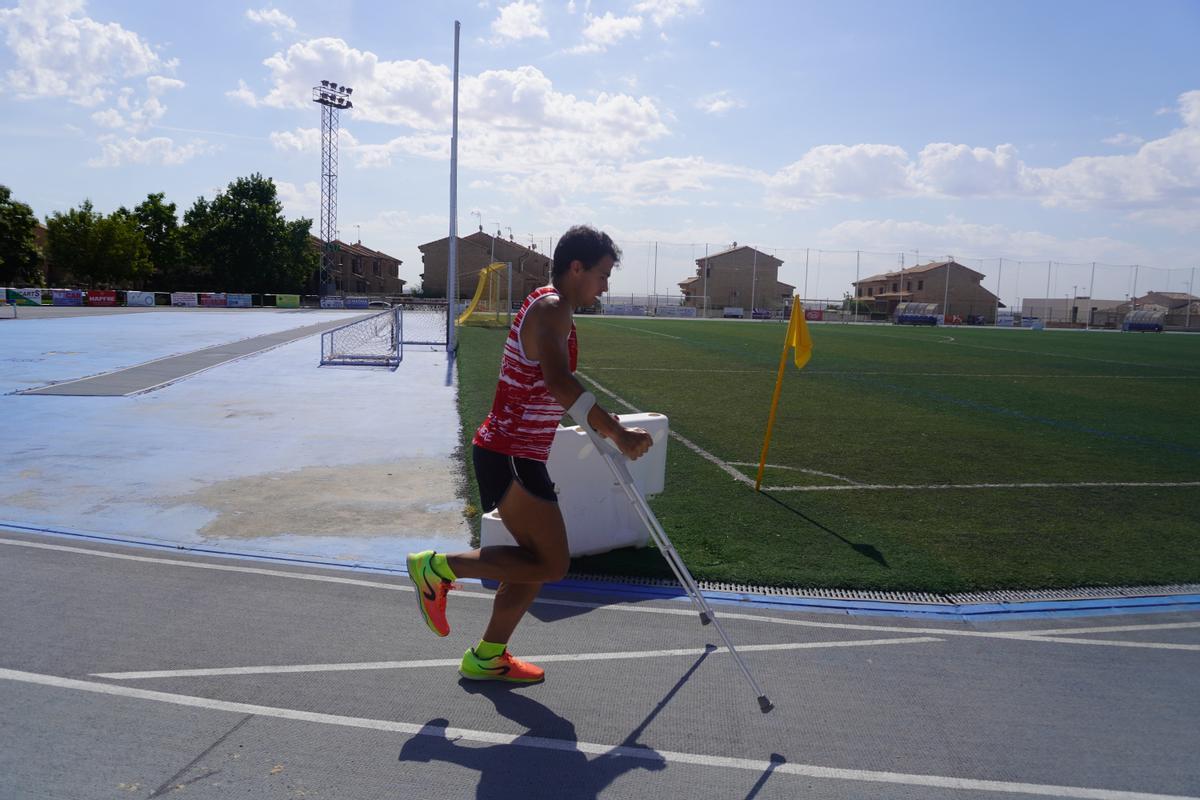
543	762
862	549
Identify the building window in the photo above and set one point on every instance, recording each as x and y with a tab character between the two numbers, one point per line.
870	291
377	266
860	291
920	285
895	287
908	286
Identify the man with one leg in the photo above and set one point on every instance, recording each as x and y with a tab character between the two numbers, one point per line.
510	449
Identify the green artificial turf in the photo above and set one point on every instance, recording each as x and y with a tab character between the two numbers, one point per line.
915	408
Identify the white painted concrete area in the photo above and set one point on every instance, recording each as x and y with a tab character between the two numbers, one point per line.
267	454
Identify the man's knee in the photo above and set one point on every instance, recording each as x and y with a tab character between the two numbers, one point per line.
556	566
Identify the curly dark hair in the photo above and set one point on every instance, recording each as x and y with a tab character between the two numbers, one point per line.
583	243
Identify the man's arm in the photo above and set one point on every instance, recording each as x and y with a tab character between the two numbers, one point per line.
548	325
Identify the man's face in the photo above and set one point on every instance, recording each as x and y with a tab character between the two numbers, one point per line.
594	281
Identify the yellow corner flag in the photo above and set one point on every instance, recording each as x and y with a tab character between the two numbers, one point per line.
799	341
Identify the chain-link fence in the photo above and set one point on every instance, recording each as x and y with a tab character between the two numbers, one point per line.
374	341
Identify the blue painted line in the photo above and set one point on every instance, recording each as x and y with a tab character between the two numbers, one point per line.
1038	609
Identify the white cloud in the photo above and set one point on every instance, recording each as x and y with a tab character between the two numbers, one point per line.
719	103
1124	140
957	170
714	43
663	11
130	113
158	151
842	171
1162	173
603	32
157	84
519	20
272	18
59	52
243	95
510	120
299	201
109	118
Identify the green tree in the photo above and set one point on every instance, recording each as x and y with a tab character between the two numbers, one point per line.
159	225
243	243
98	250
18	251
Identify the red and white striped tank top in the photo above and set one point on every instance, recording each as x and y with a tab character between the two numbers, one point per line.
524	414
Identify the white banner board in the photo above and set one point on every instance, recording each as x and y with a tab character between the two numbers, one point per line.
186	299
140	299
237	301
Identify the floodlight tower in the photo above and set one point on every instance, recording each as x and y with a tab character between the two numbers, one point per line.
332	98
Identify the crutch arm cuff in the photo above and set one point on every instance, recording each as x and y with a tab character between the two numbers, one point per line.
580	408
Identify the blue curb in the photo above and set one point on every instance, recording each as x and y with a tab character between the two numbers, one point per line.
951	611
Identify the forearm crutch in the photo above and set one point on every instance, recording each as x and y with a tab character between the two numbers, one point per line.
617	463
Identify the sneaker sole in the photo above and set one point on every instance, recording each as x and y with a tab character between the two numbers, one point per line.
500	678
413	569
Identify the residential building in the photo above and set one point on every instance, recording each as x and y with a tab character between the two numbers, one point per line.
358	269
738	277
530	268
926	283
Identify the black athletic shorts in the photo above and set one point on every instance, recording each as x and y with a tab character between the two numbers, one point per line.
496	472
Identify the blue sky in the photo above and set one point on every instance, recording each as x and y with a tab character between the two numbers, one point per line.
1028	131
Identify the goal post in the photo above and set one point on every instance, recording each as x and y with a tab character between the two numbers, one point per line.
490	296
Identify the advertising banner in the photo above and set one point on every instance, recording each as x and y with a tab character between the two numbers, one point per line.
287	301
814	314
237	300
139	299
212	299
66	297
24	297
101	297
332	301
186	299
675	311
358	302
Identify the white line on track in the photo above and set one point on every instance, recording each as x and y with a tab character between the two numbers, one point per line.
566	745
879	487
1030	636
1117	628
610	656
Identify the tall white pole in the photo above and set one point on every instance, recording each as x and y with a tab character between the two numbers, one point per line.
753	280
1187	321
806	273
706	280
656	279
857	261
1049	302
999	275
1087	326
452	268
946	295
1133	295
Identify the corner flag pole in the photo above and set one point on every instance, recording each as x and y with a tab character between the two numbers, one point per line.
797	339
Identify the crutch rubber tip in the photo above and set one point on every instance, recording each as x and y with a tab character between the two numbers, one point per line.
705	618
764	704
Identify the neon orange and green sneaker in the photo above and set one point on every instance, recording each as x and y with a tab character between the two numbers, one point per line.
431	589
503	667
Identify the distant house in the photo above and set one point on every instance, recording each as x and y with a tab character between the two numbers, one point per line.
1166	301
739	277
530	269
358	269
926	283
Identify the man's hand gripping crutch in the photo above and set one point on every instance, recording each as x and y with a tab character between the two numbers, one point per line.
616	460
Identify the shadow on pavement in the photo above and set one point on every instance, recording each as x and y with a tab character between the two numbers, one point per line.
544	762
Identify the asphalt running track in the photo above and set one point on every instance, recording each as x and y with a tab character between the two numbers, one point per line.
128	672
163	371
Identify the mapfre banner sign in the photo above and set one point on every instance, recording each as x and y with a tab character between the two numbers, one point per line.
101	297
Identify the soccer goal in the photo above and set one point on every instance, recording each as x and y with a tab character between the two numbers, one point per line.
371	342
